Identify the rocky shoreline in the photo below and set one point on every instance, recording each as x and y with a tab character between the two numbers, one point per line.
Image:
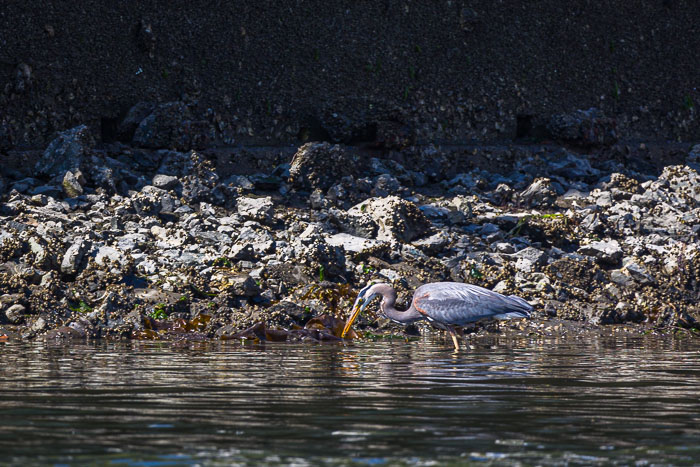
151	240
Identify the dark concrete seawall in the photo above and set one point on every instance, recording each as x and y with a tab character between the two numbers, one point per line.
280	72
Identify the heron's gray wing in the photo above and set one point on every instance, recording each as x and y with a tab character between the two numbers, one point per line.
460	304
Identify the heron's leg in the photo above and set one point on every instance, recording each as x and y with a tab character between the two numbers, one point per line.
453	335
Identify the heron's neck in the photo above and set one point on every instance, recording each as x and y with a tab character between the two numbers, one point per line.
388	308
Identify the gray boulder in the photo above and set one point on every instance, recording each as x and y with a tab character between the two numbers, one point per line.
352	243
73	257
165	182
529	259
15	313
397	218
66	152
540	193
258	209
320	165
604	252
107	253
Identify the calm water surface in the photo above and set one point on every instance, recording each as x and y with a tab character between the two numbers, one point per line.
598	400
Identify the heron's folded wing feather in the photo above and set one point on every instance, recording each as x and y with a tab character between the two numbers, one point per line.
459	304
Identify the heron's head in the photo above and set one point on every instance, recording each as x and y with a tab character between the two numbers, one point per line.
363	298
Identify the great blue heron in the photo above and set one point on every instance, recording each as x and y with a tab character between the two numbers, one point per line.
444	304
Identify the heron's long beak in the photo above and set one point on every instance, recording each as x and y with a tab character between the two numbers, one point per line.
355	313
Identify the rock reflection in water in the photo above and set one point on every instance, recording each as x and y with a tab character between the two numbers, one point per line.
591	400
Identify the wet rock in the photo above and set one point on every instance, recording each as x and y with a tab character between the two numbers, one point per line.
320	165
15	313
243	285
258	209
397	218
623	312
605	252
71	184
299	314
72	259
586	128
66	152
63	333
38	325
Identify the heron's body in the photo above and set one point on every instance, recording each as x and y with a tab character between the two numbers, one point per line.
445	305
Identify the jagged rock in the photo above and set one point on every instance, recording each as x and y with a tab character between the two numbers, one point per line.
605	252
619	277
242	284
352	243
540	193
107	253
433	244
622	313
639	273
397	218
260	240
316	256
385	185
73	257
320	165
684	182
529	259
258	209
71	185
66	152
359	226
242	253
